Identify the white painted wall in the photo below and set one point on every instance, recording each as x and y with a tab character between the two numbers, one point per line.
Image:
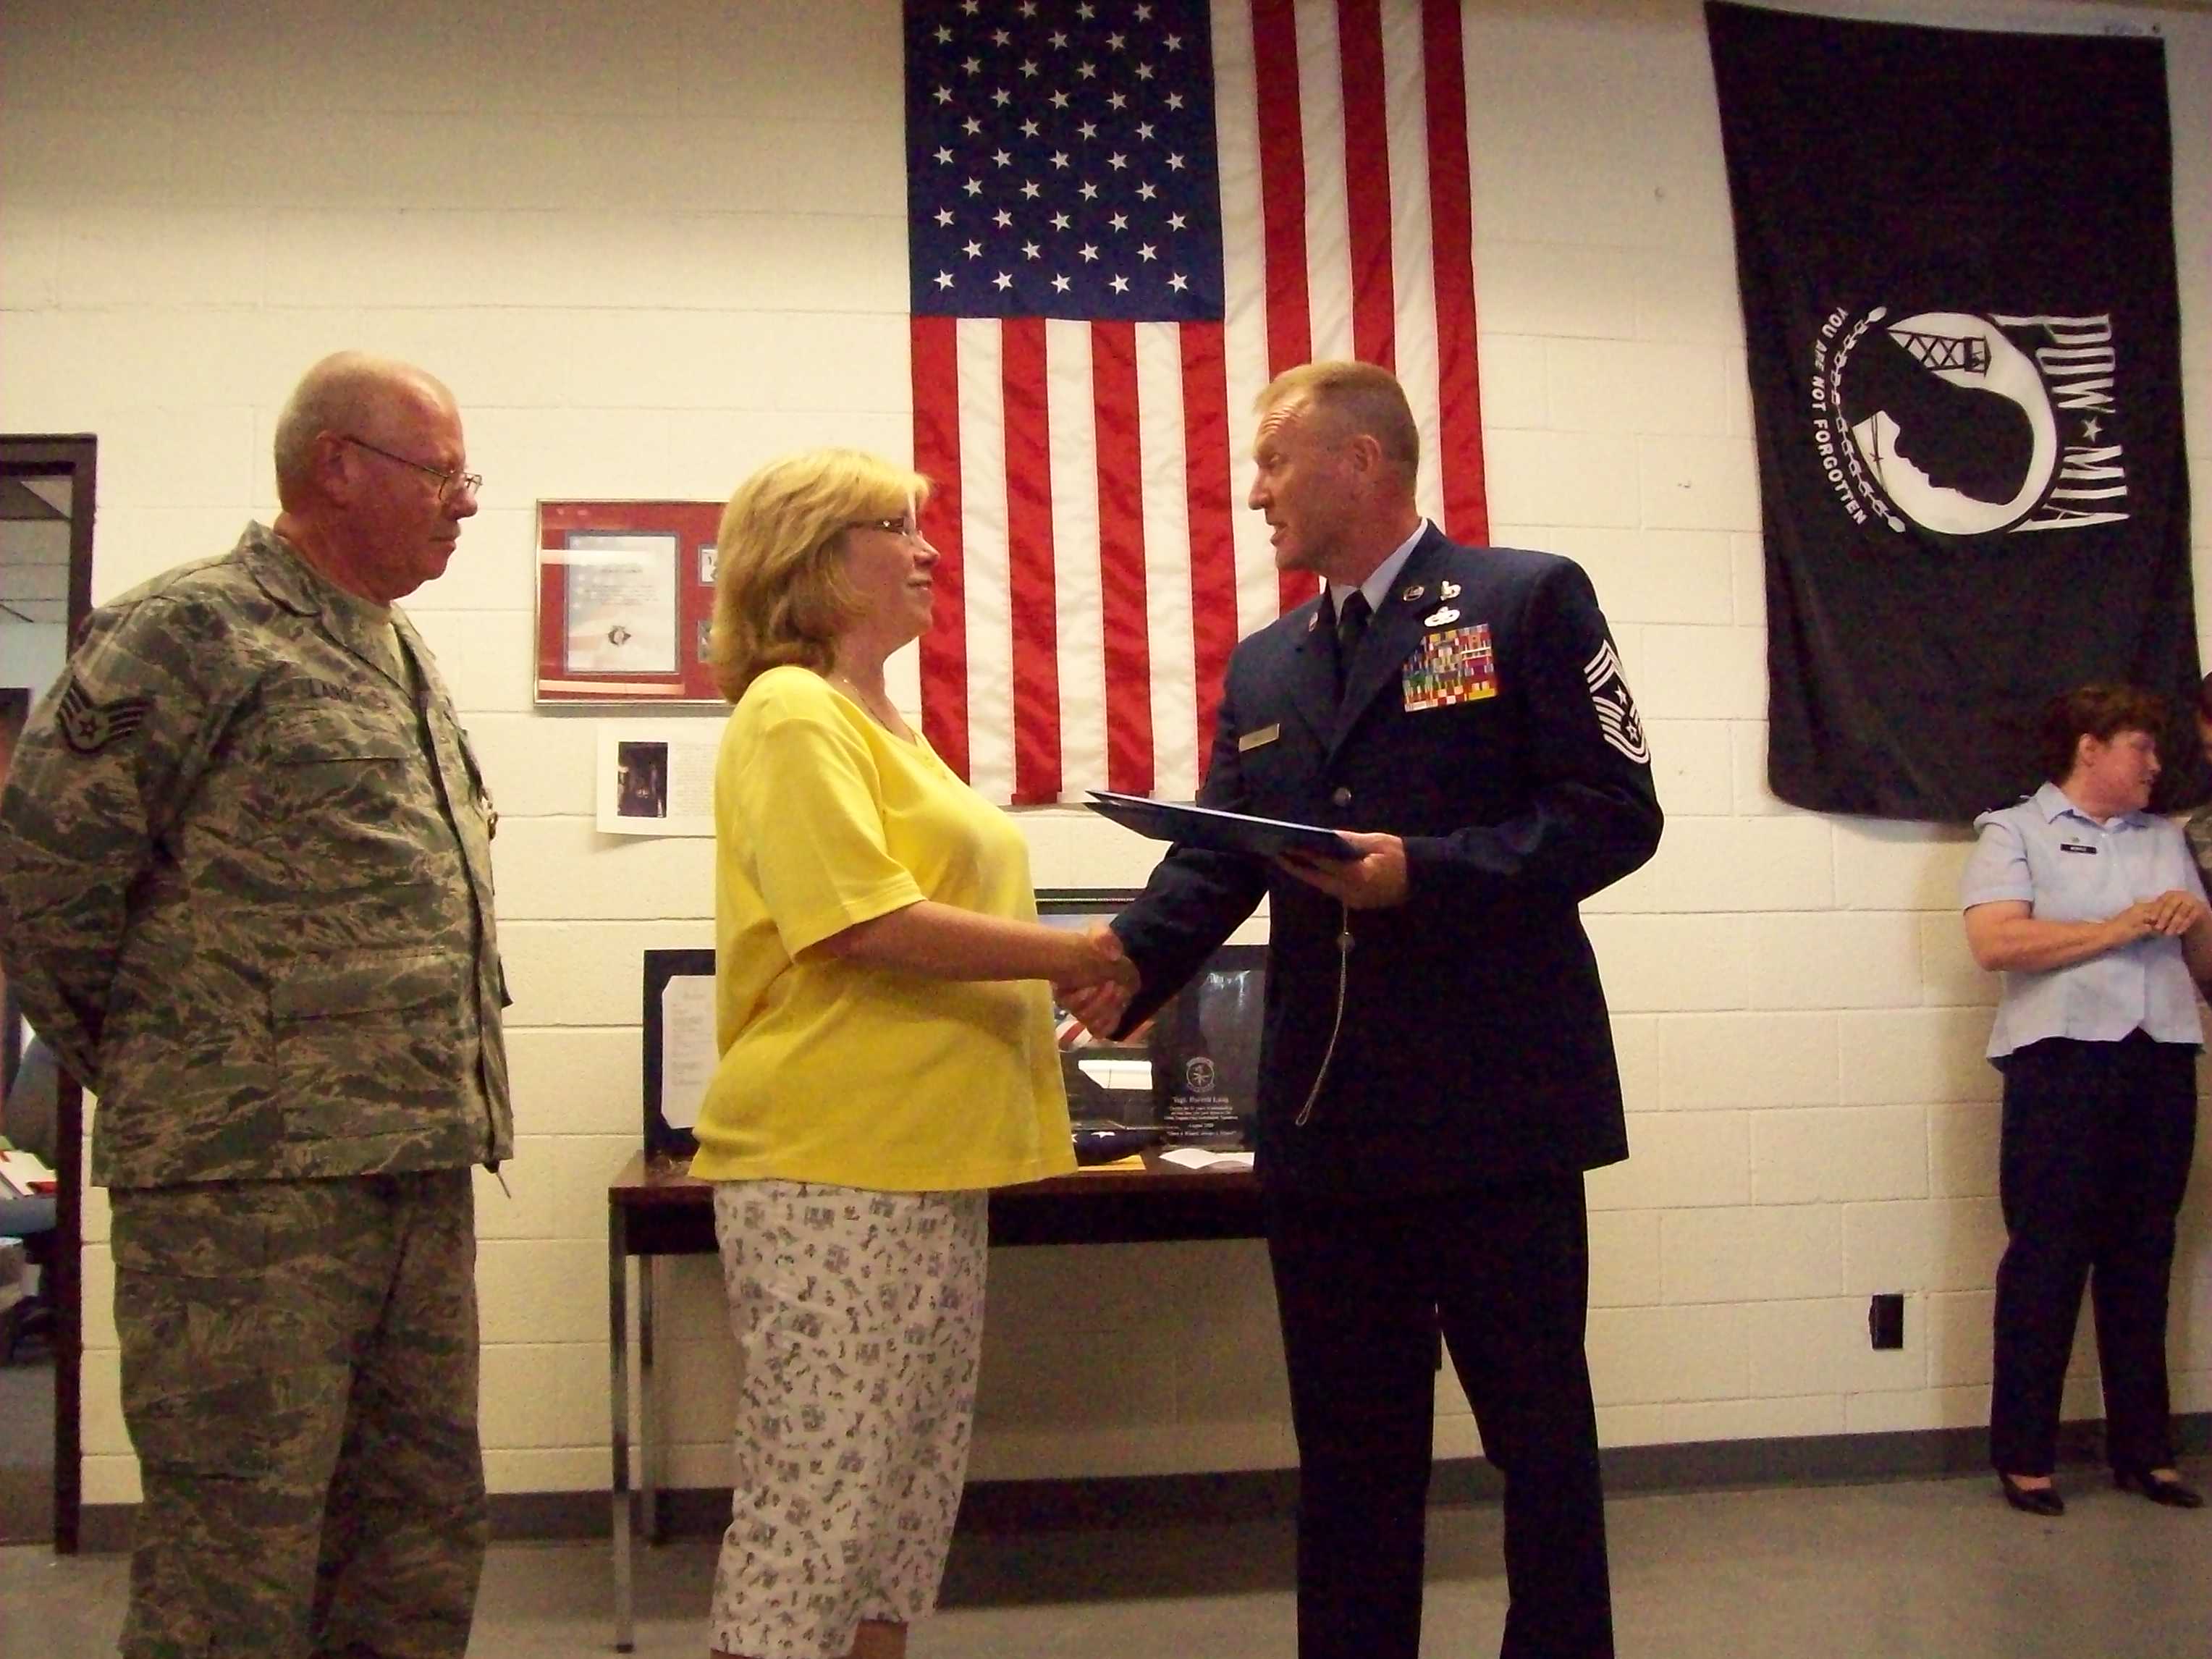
650	246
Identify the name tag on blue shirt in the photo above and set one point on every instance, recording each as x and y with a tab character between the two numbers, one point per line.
2076	847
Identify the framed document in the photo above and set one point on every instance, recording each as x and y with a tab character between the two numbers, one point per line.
620	610
680	1055
625	594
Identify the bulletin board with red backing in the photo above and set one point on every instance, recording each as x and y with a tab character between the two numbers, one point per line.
625	594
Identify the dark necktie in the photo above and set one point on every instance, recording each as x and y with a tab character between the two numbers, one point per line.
1351	629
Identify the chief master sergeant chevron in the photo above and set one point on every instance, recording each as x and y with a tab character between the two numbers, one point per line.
245	892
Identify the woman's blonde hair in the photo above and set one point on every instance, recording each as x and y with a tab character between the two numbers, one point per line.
780	594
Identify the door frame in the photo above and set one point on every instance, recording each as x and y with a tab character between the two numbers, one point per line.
15	710
76	456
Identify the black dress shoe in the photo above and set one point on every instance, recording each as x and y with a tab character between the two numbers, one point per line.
2033	1500
2172	1491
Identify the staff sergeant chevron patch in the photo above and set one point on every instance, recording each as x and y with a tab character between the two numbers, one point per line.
90	727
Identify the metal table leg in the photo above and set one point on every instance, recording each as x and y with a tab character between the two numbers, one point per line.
648	1416
618	1416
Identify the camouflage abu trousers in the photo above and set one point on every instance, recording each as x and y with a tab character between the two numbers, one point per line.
300	1383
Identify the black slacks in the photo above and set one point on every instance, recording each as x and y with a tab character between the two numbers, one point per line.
1363	1287
2092	1167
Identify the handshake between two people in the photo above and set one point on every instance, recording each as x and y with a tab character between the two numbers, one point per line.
1097	987
1098	982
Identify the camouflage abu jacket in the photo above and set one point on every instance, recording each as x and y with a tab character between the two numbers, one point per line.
2197	830
246	886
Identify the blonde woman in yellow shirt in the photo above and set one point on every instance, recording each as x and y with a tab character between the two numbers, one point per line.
885	1026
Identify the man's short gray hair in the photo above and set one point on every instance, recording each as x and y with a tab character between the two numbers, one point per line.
343	393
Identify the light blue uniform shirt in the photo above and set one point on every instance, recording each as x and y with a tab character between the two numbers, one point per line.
1376	587
2072	868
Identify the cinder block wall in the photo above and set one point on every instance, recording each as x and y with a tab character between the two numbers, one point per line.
650	245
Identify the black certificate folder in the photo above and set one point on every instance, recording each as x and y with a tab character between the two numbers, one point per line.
1224	832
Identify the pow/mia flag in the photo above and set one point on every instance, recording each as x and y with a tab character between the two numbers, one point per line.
1956	254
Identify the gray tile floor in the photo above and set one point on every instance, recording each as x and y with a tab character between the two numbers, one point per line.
27	1451
1935	1569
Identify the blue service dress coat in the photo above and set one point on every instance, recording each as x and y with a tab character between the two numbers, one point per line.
1486	722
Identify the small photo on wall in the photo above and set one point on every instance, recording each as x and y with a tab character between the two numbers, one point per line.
641	780
657	777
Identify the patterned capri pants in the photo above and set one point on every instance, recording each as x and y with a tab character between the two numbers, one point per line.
858	1317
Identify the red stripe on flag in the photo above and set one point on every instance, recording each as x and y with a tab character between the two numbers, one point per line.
1367	182
1030	564
1282	183
1282	210
936	353
1451	219
1122	557
1208	476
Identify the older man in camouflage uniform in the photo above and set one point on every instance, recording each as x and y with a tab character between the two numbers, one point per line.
246	891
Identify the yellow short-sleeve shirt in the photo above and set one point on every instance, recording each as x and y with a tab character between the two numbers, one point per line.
836	1072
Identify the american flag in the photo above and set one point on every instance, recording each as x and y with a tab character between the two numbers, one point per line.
1124	218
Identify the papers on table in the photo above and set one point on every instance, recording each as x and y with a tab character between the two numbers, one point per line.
1197	1157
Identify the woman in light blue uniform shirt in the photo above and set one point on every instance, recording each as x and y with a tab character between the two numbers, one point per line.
2094	910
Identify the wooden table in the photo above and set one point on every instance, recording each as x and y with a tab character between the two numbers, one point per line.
655	1208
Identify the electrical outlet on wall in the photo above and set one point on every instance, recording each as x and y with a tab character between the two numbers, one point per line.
1885	1321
